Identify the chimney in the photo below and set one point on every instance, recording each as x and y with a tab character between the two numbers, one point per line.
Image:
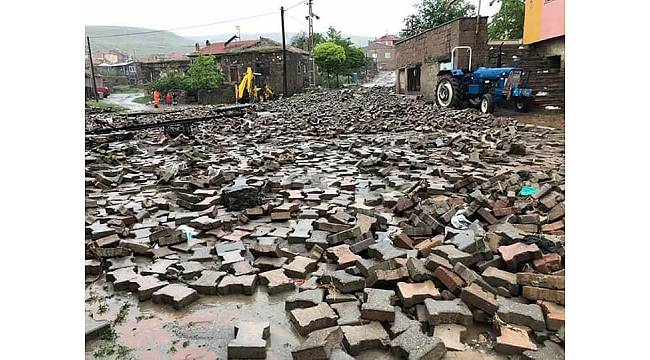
197	47
207	43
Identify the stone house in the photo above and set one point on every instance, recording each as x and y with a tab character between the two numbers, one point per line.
264	56
151	67
382	52
419	58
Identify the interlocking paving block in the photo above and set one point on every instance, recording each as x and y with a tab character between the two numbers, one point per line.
529	315
415	293
300	266
264	246
319	344
250	340
415	345
453	255
342	255
500	278
159	267
514	340
364	337
190	269
207	282
230	257
349	313
201	253
471	277
318	237
265	263
176	295
121	277
474	295
304	299
93	267
383	251
227	246
120	262
243	267
554	315
417	271
382	278
344	282
276	281
301	231
448	312
231	284
378	305
313	318
145	286
550	351
452	335
402	323
94	328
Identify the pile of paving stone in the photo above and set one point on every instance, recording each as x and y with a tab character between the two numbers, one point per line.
382	237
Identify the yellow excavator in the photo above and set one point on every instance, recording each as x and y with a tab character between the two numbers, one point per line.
252	88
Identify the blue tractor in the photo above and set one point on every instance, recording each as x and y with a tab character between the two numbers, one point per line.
482	87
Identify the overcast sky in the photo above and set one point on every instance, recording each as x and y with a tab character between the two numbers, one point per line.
352	17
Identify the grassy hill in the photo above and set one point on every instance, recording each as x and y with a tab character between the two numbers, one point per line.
143	45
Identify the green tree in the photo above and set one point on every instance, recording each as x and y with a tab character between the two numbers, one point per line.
169	80
330	57
203	75
335	36
431	13
354	58
300	40
508	23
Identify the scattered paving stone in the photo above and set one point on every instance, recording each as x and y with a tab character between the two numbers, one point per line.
190	269
449	279
301	232
94	328
500	278
413	344
269	263
529	315
401	323
121	277
548	263
313	318
514	340
177	295
201	254
207	282
417	271
342	255
378	305
541	280
159	267
383	251
550	351
519	253
93	267
276	281
240	197
317	237
474	295
250	340
304	299
452	335
382	278
471	277
454	255
554	315
319	344
345	282
415	293
448	312
349	313
120	262
300	266
231	284
364	337
433	261
537	293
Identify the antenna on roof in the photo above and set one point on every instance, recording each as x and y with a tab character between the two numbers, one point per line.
231	39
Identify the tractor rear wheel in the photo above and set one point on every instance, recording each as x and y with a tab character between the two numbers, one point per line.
449	92
487	104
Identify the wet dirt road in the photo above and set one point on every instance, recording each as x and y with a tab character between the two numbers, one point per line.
126	101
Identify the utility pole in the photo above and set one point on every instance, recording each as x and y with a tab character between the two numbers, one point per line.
92	69
312	64
284	55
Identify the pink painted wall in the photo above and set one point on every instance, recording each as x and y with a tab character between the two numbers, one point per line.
552	19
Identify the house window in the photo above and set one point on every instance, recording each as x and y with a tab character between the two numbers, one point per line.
387	55
131	69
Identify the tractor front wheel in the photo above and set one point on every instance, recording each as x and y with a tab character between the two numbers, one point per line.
522	104
449	92
487	104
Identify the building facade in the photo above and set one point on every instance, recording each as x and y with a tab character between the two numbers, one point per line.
264	56
150	68
382	52
419	58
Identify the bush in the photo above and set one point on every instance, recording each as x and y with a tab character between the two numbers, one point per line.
202	75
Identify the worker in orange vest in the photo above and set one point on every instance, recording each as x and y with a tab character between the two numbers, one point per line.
156	98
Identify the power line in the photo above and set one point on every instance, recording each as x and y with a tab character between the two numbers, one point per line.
186	27
298	21
294	5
